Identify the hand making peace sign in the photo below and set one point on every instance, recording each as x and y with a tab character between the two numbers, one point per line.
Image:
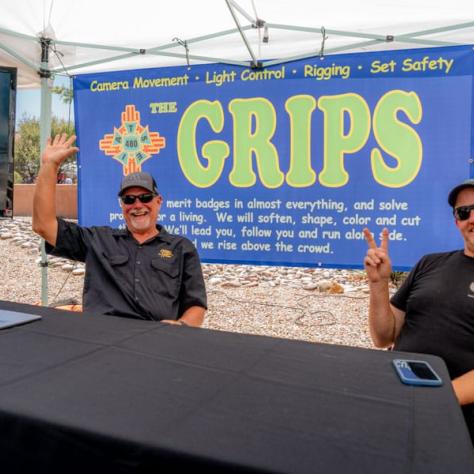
377	261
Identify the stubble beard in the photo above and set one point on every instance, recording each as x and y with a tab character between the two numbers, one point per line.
140	223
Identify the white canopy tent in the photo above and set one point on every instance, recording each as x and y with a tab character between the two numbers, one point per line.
48	37
89	35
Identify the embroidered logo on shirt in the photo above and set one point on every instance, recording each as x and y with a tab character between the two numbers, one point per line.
165	253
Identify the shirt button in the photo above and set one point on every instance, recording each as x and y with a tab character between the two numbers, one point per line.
137	279
138	262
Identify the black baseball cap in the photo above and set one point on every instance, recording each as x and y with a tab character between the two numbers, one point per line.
469	183
140	180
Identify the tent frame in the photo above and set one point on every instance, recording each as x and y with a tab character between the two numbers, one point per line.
161	50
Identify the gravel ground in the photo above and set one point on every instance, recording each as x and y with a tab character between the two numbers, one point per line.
318	305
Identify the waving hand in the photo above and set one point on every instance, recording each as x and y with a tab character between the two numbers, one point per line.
58	149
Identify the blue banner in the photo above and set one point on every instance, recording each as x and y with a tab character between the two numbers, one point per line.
286	165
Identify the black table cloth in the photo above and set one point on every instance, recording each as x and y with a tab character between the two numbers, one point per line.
84	392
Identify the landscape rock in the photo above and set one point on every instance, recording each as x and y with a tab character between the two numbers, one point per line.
264	300
324	285
336	288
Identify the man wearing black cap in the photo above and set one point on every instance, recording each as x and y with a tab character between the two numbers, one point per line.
141	272
433	311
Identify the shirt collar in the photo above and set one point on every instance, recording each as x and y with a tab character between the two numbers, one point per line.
162	235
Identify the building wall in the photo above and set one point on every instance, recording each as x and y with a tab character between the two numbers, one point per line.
66	200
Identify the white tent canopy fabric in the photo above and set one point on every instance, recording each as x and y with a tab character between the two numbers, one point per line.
150	33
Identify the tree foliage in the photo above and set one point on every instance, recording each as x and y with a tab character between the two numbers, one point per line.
65	93
27	146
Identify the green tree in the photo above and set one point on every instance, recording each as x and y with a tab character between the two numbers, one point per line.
27	146
65	93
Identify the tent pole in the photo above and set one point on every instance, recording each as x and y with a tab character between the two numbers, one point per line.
255	62
18	56
313	53
45	132
157	53
242	11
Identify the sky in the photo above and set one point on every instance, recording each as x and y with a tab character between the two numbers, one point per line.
28	103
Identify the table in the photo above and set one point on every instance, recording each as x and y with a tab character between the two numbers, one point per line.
90	393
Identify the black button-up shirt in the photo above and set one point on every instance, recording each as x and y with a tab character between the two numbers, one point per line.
158	279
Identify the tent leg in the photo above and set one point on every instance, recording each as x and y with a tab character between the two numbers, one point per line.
45	132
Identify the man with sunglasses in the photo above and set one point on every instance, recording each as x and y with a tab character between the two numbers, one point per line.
139	272
433	310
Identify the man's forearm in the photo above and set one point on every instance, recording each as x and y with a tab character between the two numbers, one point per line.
44	203
382	322
464	388
193	316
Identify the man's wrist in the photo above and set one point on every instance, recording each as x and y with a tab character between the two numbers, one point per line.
183	323
50	166
381	284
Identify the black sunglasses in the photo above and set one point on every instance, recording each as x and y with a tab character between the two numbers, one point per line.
462	213
129	199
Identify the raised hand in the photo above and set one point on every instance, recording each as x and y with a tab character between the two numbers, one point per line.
377	261
58	149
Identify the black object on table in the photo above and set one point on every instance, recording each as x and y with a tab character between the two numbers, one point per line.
90	393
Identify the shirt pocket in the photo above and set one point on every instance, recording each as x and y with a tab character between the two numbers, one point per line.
118	269
115	260
165	276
